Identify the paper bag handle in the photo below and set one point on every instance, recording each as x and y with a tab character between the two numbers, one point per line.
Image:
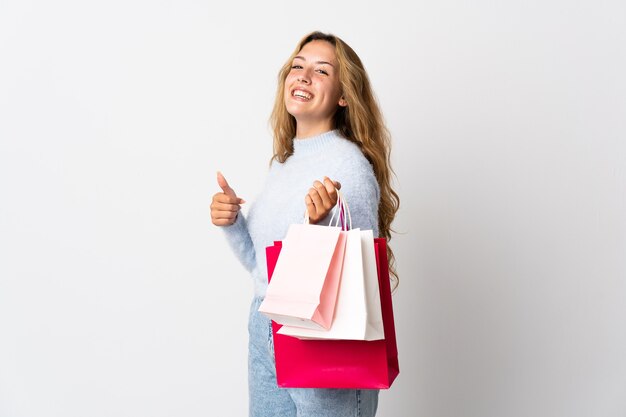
344	214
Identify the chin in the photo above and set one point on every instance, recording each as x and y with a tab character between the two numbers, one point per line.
294	111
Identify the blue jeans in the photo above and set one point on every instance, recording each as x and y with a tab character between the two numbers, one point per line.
268	400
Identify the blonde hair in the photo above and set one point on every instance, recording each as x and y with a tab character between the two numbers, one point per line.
360	121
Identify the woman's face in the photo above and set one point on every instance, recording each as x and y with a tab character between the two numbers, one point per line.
312	88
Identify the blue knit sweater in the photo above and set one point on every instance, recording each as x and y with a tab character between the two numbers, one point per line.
281	202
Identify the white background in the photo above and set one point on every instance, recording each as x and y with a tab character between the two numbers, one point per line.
117	296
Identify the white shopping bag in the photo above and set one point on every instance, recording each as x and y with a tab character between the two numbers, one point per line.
358	314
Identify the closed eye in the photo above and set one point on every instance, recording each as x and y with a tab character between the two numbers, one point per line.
296	67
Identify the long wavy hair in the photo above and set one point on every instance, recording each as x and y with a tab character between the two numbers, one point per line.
361	122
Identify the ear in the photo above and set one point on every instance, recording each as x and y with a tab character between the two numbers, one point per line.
343	102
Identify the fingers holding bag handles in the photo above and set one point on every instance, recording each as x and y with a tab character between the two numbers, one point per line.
321	199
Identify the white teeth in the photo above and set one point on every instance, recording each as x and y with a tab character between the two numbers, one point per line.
300	93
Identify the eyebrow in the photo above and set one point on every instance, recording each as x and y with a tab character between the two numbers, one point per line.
317	62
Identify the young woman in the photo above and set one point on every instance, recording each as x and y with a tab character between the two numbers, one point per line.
328	134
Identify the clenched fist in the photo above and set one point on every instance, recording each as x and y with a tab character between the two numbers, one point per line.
321	199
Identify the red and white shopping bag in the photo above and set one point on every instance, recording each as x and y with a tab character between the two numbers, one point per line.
339	363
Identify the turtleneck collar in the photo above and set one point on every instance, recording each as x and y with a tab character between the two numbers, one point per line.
315	143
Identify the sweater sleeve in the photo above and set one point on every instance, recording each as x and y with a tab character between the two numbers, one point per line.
239	239
361	191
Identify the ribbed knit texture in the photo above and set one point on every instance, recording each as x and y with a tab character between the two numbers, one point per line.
281	202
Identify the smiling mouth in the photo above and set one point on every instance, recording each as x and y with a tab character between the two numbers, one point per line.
301	94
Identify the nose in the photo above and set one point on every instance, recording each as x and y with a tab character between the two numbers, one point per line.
304	78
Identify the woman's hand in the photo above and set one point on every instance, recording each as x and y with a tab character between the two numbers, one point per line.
321	199
225	205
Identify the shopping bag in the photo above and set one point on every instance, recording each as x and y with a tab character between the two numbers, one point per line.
339	363
358	314
304	290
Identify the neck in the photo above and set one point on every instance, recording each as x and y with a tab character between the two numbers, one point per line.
306	130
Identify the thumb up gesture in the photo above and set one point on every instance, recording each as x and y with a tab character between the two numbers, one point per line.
225	205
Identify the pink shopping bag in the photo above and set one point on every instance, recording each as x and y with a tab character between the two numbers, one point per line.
339	363
306	277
